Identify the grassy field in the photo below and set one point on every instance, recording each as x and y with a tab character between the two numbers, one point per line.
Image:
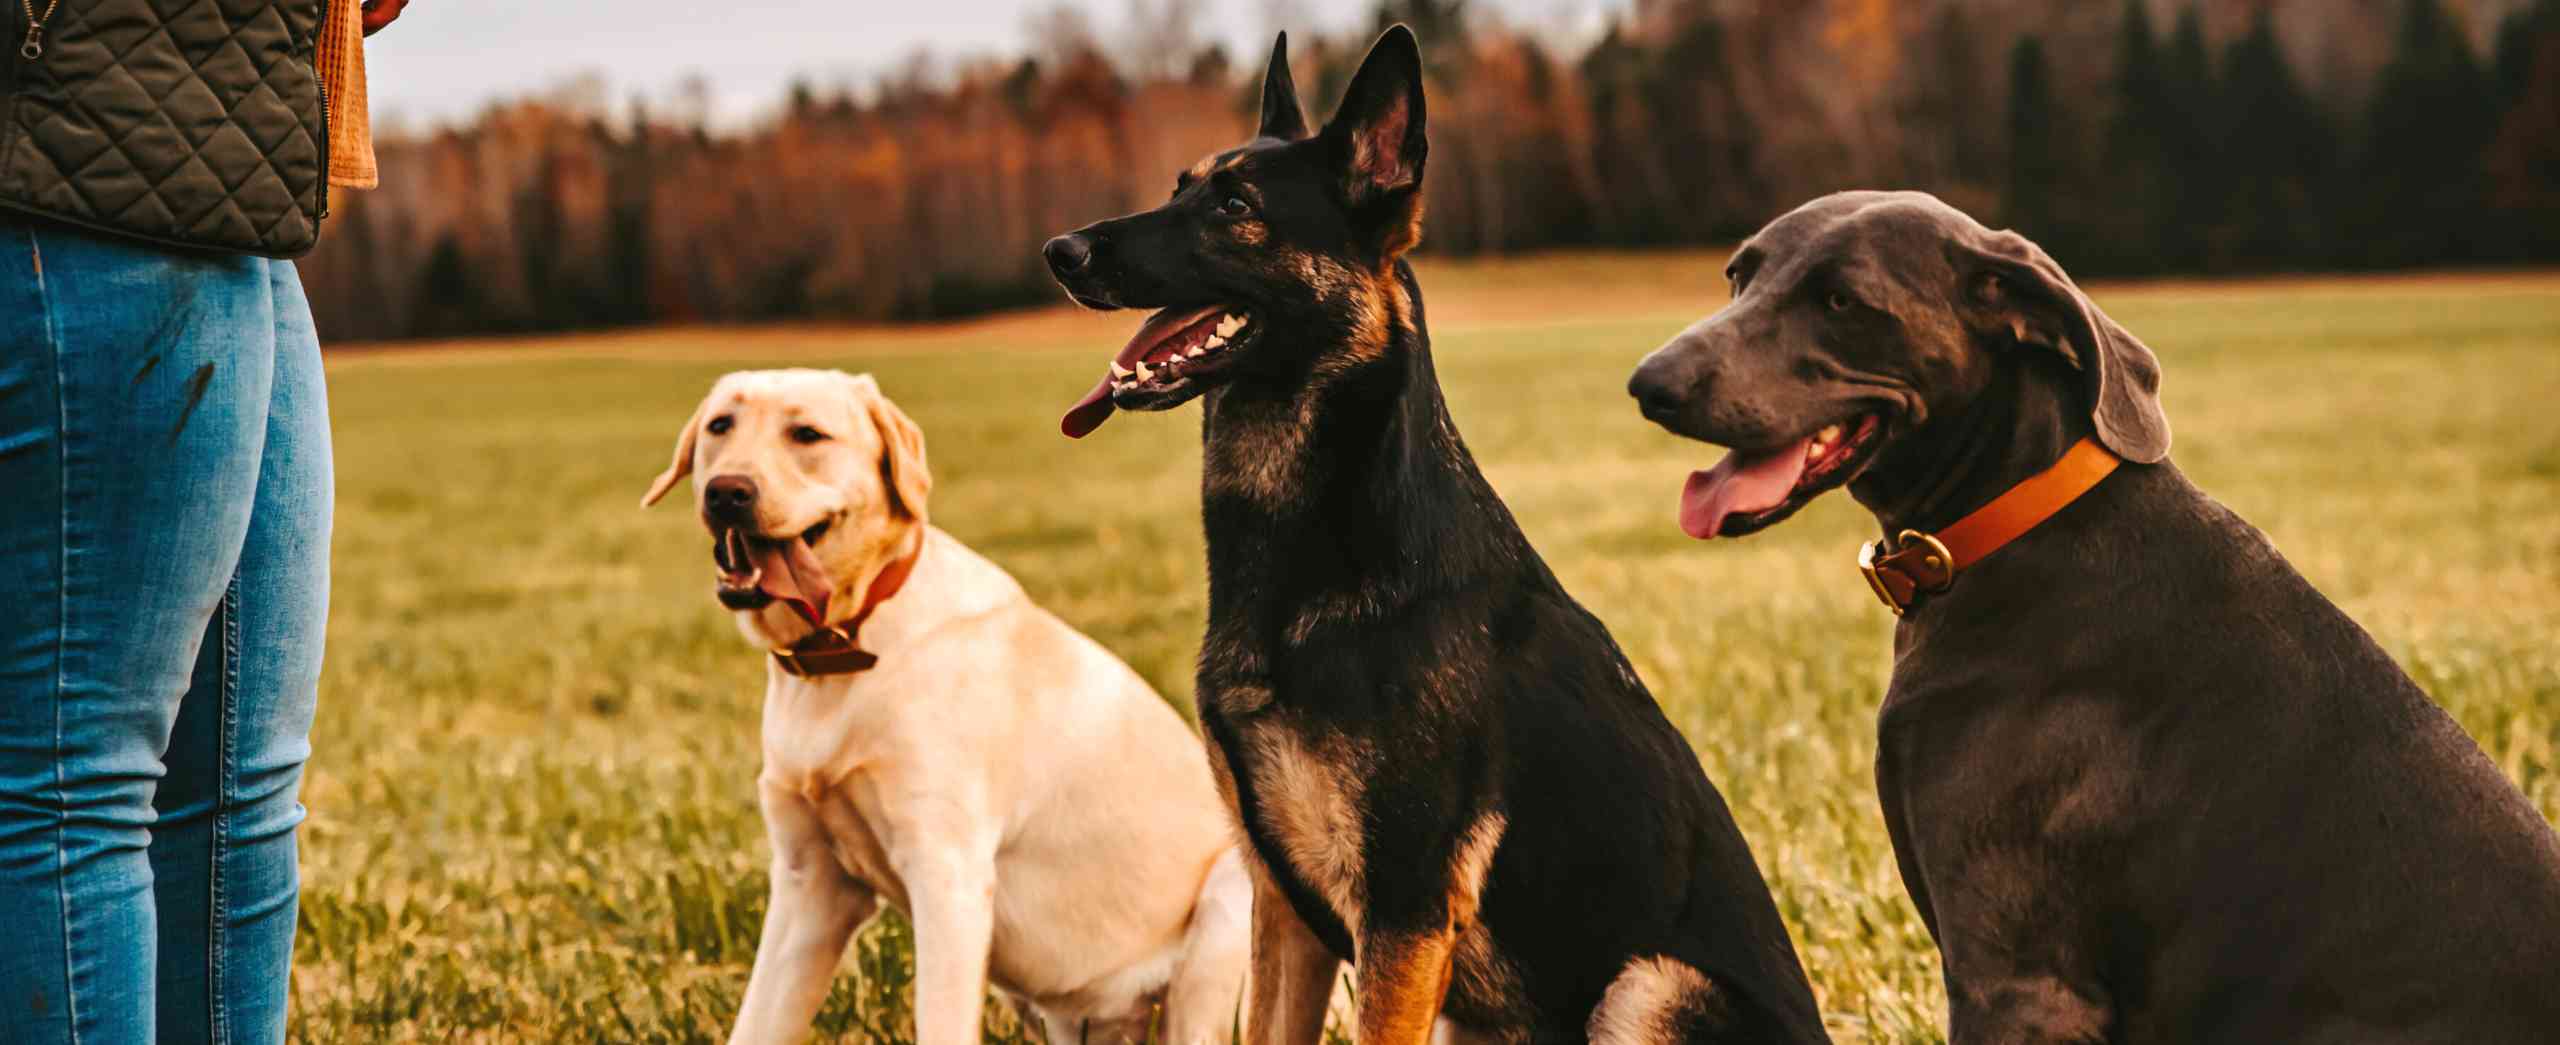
531	802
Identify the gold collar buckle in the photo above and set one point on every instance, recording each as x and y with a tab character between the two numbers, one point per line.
1937	565
1911	565
1919	560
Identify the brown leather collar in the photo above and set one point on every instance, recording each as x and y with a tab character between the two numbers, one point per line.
832	651
1917	564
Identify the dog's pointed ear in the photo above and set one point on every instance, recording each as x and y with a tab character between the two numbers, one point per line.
902	464
682	464
1281	116
1377	137
2033	302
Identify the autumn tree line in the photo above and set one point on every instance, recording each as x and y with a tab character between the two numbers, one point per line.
2132	138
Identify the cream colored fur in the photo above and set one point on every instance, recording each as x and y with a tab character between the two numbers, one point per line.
1636	1009
1044	819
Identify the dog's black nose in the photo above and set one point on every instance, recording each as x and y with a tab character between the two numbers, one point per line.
729	498
1068	254
1657	389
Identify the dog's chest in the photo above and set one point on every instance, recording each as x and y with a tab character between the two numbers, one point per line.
835	798
1303	796
1300	796
840	821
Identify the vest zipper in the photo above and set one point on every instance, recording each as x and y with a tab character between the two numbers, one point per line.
324	144
33	48
321	77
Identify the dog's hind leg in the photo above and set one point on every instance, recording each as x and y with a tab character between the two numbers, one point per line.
1292	976
1203	1003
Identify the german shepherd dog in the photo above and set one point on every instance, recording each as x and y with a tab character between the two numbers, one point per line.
1448	774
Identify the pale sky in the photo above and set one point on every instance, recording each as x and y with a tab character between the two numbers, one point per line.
445	58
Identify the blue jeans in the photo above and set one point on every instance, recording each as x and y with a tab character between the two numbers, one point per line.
165	498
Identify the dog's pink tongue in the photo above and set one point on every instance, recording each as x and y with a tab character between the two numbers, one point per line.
1740	483
1091	411
793	574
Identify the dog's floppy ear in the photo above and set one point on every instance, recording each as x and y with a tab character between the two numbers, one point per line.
1378	142
2035	303
682	465
902	464
1281	117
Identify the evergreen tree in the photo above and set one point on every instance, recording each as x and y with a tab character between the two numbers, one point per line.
1708	144
2422	196
1975	152
2194	133
2278	154
448	294
541	230
2138	182
1613	90
629	191
1672	144
1949	148
2524	161
2519	37
2036	166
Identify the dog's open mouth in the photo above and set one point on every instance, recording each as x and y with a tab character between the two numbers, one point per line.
1177	355
753	571
1752	489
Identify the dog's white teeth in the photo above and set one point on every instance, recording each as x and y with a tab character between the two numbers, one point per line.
1199	350
1828	434
1227	327
1118	372
1214	341
1143	373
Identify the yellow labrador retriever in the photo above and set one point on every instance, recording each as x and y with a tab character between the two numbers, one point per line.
934	740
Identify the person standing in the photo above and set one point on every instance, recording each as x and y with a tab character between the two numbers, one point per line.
164	534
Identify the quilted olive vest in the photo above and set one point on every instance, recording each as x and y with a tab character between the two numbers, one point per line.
191	123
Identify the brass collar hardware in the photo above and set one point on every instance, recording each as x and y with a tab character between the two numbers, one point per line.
1913	564
831	650
1931	571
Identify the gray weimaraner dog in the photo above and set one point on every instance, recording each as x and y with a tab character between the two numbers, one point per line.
2144	783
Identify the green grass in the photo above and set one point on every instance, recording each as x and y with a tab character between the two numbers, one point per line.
531	805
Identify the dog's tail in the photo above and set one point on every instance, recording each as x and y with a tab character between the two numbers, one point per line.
1660	999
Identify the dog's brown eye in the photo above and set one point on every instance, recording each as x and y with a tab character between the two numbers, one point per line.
806	434
718	425
1839	302
1235	207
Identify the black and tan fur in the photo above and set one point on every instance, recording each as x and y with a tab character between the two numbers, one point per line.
1449	774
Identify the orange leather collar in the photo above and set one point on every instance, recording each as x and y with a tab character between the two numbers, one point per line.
1915	564
833	651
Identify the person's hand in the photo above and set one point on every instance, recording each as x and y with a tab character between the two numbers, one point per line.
379	13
